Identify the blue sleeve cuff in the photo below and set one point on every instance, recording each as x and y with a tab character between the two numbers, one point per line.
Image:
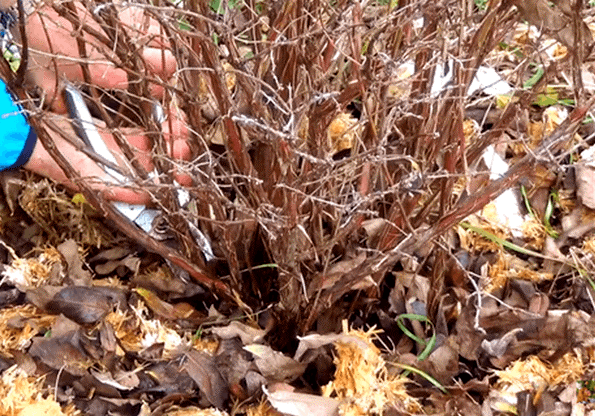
17	137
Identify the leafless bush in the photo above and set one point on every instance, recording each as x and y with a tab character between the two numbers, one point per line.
288	215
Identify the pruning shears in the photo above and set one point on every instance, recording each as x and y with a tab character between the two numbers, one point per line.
141	215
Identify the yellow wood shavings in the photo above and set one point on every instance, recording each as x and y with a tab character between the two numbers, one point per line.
194	411
19	324
361	376
497	273
511	267
566	201
587	216
471	130
31	272
534	233
533	373
342	132
22	395
531	275
471	241
589	245
262	409
139	332
230	76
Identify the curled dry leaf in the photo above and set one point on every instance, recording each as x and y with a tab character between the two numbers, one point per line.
76	274
273	365
163	281
302	404
85	305
42	295
443	362
60	353
169	379
585	178
130	262
203	370
497	347
166	310
235	364
247	334
80	304
121	380
316	341
334	274
107	261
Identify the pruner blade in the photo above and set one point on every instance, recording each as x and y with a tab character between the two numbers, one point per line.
86	129
141	215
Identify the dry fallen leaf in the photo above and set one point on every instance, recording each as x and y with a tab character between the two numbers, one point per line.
121	380
585	178
203	370
273	365
166	310
336	272
302	404
315	341
82	304
76	274
248	334
555	21
60	353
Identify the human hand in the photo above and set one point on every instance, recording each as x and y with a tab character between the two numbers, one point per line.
54	52
43	164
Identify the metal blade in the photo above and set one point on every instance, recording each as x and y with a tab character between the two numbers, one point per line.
83	124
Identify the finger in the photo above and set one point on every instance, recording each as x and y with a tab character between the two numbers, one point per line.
160	62
175	126
46	64
103	75
43	164
182	151
143	26
175	130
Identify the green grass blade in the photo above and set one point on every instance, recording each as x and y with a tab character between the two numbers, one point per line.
499	241
425	375
428	345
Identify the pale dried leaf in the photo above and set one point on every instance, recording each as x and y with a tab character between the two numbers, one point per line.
121	380
335	273
273	364
60	354
203	370
77	275
84	305
316	341
585	178
248	334
302	404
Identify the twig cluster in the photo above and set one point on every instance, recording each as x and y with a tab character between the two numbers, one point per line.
260	84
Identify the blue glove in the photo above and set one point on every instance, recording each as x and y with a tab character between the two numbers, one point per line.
17	138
